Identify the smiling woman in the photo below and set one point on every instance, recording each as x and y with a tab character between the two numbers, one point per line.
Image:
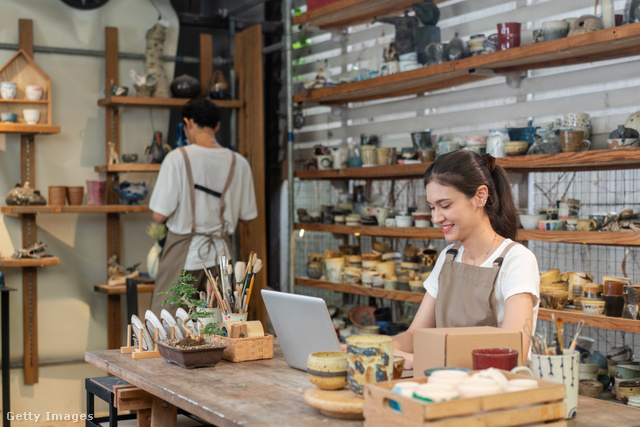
484	278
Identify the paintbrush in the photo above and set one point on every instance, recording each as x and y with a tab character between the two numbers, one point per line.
214	286
576	335
559	346
256	269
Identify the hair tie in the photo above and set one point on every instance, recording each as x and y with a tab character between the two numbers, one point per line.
490	162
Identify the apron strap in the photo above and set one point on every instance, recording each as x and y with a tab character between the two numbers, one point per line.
453	251
497	263
192	192
227	184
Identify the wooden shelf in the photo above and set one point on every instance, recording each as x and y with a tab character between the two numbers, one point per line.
122	289
371	230
23	101
569	315
351	12
129	167
17	210
628	158
29	262
142	102
360	290
25	129
607	238
594	46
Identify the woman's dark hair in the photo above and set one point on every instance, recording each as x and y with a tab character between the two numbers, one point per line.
203	112
465	171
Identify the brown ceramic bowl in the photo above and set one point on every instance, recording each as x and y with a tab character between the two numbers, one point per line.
362	316
590	388
398	367
555	299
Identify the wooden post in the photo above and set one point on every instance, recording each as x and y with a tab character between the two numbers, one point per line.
206	62
249	81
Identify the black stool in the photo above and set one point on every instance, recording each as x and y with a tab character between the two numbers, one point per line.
103	388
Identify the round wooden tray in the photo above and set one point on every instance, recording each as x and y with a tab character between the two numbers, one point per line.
335	403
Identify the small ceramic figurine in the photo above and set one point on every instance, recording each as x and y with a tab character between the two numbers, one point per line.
130	192
113	154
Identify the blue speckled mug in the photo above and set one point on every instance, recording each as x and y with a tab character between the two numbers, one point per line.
370	360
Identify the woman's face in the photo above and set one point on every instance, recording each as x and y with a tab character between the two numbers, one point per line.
456	214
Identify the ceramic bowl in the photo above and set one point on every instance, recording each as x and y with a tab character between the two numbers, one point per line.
192	357
588	371
417	286
431	392
590	388
362	316
627	371
404	220
516	148
129	157
9	117
530	222
628	388
328	369
614	144
595	308
551	224
555	299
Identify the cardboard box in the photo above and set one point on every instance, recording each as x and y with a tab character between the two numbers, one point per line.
437	347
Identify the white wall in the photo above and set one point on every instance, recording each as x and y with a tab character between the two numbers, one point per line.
71	316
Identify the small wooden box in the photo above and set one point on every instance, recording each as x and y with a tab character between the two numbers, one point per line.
245	349
534	407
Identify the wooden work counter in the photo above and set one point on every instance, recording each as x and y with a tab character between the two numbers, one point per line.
267	392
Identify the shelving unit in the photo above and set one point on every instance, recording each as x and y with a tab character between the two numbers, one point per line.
360	290
248	66
618	42
600	45
22	70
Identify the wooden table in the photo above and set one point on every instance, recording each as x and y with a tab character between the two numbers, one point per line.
267	392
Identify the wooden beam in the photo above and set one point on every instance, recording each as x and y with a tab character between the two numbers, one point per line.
206	62
30	322
249	81
25	36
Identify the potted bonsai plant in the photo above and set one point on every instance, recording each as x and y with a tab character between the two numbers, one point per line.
193	350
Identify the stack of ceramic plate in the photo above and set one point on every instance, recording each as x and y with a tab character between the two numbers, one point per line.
634	400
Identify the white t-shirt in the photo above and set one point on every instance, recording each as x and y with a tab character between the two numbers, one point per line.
519	274
209	167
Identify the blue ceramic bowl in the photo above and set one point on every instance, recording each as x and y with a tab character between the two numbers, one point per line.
9	117
523	134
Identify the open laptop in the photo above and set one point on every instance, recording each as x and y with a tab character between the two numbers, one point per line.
302	324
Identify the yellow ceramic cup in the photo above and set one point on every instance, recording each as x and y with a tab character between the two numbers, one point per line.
370	360
328	369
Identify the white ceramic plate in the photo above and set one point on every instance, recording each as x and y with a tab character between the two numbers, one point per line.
138	328
182	314
152	322
168	321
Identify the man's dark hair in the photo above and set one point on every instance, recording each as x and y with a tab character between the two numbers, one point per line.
203	112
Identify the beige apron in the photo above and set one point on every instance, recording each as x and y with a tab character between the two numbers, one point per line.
176	247
466	293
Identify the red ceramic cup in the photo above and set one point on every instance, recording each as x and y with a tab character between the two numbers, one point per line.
508	35
499	358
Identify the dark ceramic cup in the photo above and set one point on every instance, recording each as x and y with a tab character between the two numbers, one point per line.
499	358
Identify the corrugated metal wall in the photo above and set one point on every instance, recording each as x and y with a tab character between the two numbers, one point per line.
609	91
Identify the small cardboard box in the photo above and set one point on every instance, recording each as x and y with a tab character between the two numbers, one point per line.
437	347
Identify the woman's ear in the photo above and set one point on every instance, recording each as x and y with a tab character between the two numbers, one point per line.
482	194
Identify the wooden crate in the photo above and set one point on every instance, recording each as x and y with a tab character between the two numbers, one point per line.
245	349
543	405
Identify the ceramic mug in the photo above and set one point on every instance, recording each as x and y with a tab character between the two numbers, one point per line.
446	147
33	92
499	358
562	369
8	90
368	155
390	222
508	35
334	269
571	224
578	121
436	52
552	30
96	192
383	155
370	360
325	161
31	116
573	140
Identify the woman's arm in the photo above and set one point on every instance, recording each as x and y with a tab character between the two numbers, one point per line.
518	316
425	318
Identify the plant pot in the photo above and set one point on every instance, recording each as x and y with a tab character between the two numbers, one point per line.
190	358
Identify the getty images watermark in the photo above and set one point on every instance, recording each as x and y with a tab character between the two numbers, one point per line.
47	416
